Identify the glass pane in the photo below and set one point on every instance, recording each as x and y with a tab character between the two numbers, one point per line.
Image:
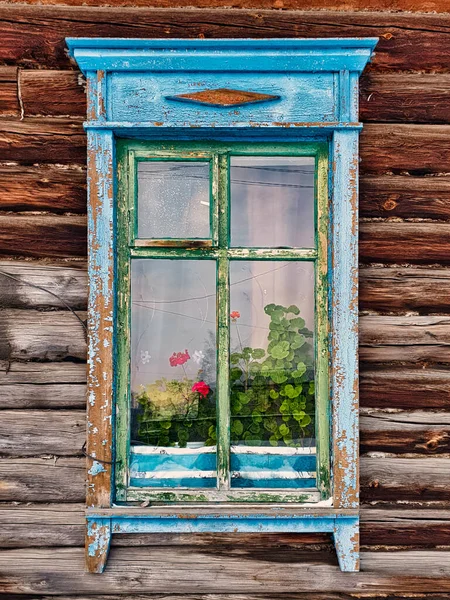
173	373
272	374
272	201
173	199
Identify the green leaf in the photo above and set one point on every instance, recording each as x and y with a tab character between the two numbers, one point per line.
301	368
166	424
259	353
298	341
273	335
256	416
235	374
298	323
269	308
278	376
305	421
273	440
284	429
235	357
237	427
274	394
244	397
284	408
280	350
293	309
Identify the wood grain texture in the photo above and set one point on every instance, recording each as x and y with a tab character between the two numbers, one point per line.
130	570
404	97
405	387
34	335
64	236
53	188
42	479
43	236
34	35
65	282
404	289
439	6
9	100
393	242
35	432
52	93
420	432
405	197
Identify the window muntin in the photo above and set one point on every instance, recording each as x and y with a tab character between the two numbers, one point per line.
229	486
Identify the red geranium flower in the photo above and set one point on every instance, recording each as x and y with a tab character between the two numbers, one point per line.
202	388
235	315
179	358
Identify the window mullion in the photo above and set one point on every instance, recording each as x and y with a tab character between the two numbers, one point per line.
223	334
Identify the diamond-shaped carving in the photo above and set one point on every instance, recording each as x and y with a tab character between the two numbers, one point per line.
223	97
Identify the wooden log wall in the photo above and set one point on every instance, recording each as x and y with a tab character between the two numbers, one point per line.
405	317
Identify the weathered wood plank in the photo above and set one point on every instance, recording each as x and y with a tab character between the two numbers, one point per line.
420	432
34	335
64	280
384	147
400	148
404	97
391	290
36	140
52	93
9	101
404	289
43	236
34	35
23	373
55	188
405	478
407	388
404	196
55	336
62	480
42	480
35	432
392	242
43	396
65	236
180	570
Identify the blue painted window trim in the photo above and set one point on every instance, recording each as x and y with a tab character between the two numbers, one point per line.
297	65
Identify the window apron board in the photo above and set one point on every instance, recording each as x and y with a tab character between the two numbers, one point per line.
222	385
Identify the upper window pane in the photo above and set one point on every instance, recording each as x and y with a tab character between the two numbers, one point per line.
272	201
173	200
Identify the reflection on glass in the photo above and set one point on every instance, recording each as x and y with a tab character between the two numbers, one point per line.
173	199
173	373
272	201
272	374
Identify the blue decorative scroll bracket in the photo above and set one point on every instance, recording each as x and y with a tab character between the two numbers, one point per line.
343	525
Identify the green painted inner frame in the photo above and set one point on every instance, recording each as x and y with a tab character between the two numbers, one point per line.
128	153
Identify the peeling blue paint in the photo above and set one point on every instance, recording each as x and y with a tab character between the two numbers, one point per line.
96	468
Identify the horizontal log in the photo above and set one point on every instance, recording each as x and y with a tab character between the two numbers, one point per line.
42	480
420	432
55	188
381	289
382	479
407	388
23	373
393	242
66	284
385	97
129	570
406	197
404	289
52	93
384	147
405	478
43	236
43	525
35	432
33	335
404	97
65	236
9	100
55	336
34	35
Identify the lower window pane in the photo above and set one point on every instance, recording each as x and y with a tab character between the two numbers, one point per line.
272	374
173	373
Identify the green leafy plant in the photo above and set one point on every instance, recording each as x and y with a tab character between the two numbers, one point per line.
271	392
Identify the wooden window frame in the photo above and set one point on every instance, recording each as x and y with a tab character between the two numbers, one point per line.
310	90
129	154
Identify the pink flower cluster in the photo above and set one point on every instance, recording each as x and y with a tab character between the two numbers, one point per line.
235	315
179	358
202	388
